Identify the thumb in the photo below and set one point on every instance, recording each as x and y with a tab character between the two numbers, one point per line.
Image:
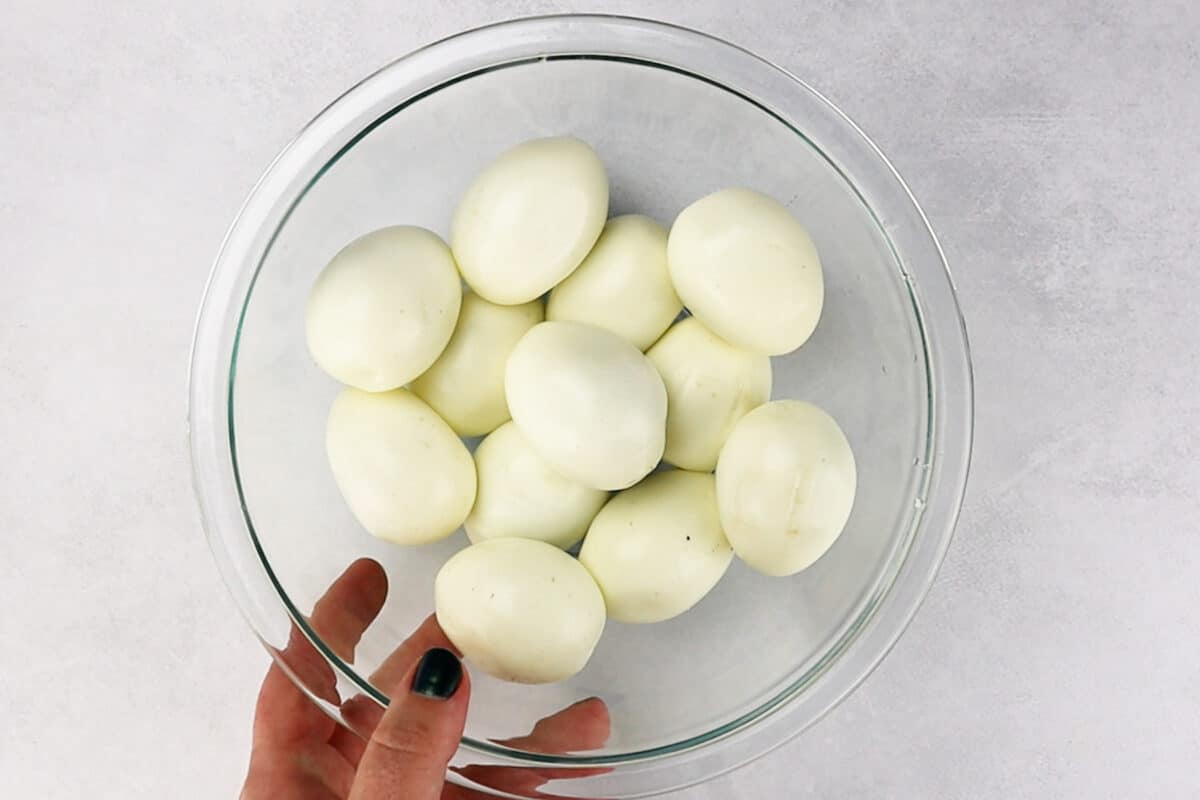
418	734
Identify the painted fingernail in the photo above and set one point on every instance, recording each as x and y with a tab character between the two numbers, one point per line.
438	675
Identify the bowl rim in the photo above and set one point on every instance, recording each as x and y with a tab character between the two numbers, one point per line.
919	257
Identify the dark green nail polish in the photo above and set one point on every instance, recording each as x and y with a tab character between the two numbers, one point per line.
438	675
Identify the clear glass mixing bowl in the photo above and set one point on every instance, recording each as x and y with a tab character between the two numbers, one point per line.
674	114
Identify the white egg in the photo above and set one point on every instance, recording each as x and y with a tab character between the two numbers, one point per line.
520	610
657	549
405	475
623	284
588	402
785	486
383	309
520	495
710	386
748	270
466	384
529	218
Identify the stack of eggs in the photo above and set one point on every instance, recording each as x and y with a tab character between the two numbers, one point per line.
572	354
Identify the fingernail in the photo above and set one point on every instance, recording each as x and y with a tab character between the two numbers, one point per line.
438	675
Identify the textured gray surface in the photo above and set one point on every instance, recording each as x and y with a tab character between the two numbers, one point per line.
1053	145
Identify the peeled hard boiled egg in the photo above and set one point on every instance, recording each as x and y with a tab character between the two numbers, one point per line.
588	402
623	284
748	270
405	475
466	384
710	386
383	309
520	610
529	218
657	549
785	486
520	495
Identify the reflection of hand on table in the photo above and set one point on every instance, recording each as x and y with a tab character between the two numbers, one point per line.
402	752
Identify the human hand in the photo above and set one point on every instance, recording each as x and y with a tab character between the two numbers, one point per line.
300	752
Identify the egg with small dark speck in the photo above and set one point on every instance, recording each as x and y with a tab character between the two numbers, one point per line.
657	549
543	617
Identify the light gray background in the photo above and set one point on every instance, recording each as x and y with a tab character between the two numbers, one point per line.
1055	146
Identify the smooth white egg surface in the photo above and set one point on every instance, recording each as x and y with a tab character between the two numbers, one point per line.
520	610
466	384
623	284
383	309
520	495
529	218
785	486
589	403
748	270
710	386
404	473
657	549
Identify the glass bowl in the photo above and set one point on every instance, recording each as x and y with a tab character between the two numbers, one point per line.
674	114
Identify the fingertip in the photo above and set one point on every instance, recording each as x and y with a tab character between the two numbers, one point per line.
396	667
438	675
368	582
419	732
370	566
582	726
594	706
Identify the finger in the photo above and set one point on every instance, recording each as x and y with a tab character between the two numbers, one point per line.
311	772
290	754
418	734
283	713
350	605
578	727
585	725
426	637
363	713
